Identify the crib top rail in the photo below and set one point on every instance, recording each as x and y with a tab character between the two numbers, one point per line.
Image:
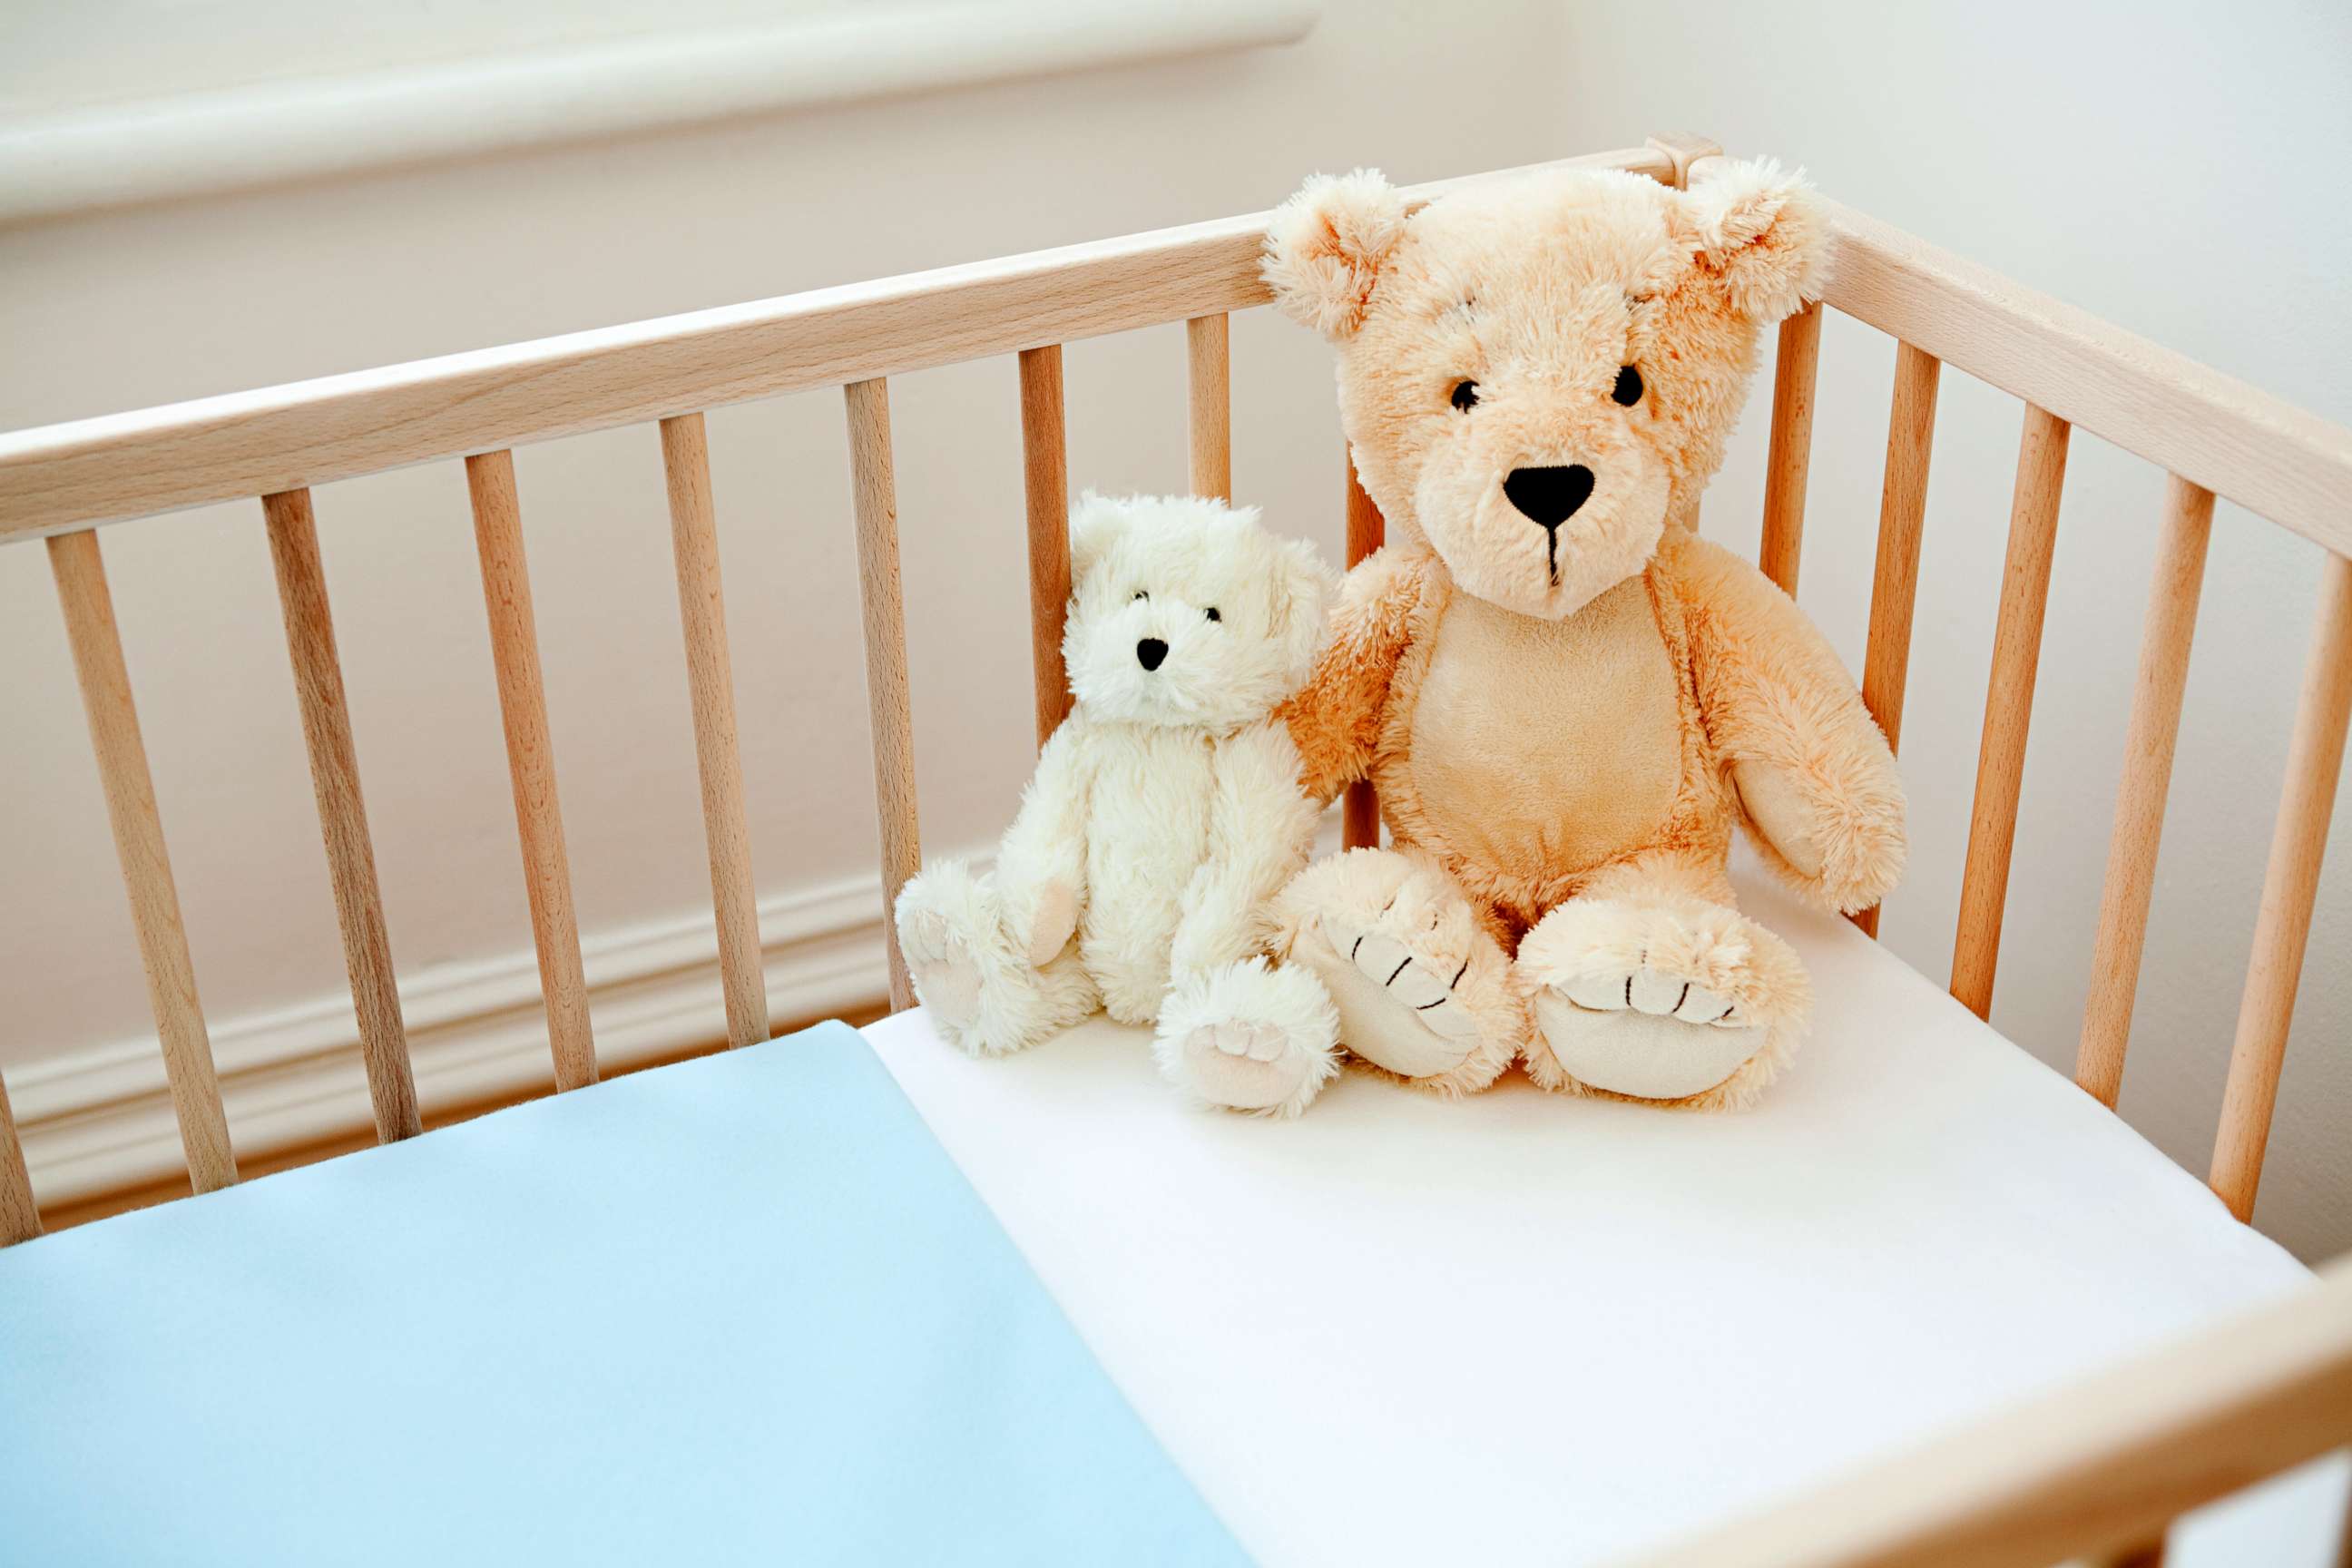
2227	437
308	433
2238	441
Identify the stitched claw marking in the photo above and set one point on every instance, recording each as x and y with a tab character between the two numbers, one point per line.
1417	983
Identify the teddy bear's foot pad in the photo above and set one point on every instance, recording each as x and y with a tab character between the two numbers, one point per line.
1251	1037
1398	1007
1242	1067
1657	1053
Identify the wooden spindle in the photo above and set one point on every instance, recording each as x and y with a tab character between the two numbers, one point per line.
710	686
1790	458
1902	522
1359	811
2146	1554
2009	705
20	1215
530	763
2148	744
1045	481
875	491
2313	760
1210	378
130	789
1682	150
342	814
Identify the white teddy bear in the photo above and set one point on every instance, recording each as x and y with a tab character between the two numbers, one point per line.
1165	812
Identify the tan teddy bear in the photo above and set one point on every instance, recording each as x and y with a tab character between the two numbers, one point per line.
1564	697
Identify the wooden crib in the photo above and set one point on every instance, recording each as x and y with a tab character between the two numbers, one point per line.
2099	1471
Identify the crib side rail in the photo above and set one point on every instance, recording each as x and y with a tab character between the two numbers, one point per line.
2087	1472
2211	436
2236	441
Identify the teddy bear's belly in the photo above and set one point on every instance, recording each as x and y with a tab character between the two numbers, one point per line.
1149	832
1541	747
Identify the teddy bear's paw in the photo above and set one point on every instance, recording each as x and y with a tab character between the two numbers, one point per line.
945	975
1659	1002
1250	1036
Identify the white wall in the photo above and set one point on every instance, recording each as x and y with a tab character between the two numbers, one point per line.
2177	168
2174	173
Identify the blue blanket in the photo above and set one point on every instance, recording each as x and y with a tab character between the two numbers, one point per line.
742	1310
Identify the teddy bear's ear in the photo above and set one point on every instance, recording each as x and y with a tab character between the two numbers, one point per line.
1097	523
1761	234
1326	248
1303	586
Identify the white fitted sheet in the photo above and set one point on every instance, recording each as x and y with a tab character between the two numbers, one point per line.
1524	1327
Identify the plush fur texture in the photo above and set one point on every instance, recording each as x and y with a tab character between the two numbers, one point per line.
1567	704
1164	813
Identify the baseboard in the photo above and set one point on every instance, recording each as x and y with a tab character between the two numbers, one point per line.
99	1121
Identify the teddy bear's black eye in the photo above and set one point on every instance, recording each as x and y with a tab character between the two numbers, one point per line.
1466	395
1628	390
1212	614
1140	594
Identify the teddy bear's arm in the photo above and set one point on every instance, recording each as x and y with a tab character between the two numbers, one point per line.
1335	718
1041	862
1260	829
1816	782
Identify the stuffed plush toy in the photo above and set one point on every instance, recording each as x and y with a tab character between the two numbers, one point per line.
1564	698
1165	812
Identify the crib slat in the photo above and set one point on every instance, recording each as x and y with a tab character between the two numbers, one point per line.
1210	379
875	490
530	763
2315	758
2148	745
1790	458
20	1215
121	755
342	813
1360	813
2146	1554
2009	705
1902	521
710	686
1045	481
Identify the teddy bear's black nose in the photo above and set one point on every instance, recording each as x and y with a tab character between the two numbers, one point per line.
1149	652
1549	496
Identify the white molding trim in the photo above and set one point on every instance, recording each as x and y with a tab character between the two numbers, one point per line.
238	137
99	1121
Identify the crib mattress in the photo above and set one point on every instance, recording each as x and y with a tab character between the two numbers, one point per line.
1528	1328
737	1311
